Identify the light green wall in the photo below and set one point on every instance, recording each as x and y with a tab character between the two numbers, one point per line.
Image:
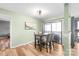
19	35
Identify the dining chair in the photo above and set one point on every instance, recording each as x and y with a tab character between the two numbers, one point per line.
46	42
37	40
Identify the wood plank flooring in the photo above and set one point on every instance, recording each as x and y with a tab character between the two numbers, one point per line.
30	50
4	43
75	50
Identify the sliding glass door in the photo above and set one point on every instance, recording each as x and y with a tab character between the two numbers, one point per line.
55	28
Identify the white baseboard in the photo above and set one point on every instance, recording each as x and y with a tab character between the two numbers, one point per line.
22	44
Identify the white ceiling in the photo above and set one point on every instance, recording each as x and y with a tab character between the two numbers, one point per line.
52	9
74	9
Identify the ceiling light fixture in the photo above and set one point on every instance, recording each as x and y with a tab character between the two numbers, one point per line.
39	12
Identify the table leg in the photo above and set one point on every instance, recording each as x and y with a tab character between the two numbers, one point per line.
40	43
35	41
46	47
50	46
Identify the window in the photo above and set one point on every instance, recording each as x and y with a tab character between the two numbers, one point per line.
47	28
78	25
56	26
78	28
53	26
78	34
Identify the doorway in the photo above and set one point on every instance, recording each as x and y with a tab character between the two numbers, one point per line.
4	34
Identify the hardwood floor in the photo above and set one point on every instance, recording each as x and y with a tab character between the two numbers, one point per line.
75	50
4	43
30	50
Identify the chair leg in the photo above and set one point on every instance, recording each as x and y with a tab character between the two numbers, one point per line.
40	46
53	44
50	46
46	48
35	44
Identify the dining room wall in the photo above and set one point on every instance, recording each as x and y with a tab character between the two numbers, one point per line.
20	35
